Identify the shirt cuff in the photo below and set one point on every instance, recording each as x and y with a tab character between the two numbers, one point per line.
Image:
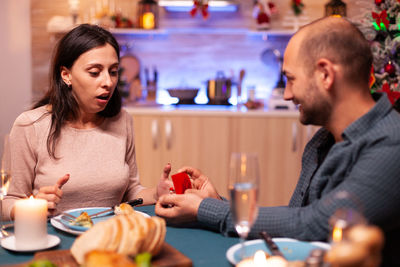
212	213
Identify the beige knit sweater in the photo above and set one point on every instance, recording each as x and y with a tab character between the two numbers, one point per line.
101	161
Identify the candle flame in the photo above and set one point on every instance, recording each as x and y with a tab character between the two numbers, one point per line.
337	234
259	258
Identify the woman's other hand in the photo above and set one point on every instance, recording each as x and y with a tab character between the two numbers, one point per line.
164	184
53	194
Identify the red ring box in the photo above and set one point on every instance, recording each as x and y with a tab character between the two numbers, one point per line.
181	182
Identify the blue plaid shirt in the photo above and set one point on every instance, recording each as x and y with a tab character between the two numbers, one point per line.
362	172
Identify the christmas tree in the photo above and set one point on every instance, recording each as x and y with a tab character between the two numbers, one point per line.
381	26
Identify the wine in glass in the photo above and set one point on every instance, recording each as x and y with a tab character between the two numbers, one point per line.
243	187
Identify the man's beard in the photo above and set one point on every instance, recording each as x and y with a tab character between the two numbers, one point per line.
316	110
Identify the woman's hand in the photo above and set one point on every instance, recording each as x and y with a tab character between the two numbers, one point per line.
164	184
202	186
52	194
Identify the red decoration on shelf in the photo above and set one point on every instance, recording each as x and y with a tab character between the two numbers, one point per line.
392	95
297	7
372	77
378	2
390	68
381	18
201	5
262	12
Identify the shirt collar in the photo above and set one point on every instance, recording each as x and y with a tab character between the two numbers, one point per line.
361	125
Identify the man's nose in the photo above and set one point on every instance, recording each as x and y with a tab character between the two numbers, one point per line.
287	94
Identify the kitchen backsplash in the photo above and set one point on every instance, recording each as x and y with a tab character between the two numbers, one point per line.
187	51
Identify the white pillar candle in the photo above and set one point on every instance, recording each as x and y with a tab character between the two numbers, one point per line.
30	223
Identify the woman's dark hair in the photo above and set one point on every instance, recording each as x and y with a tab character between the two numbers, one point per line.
63	104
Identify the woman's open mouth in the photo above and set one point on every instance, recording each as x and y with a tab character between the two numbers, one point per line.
103	99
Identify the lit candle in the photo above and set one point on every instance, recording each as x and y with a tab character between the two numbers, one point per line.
30	223
337	234
259	258
148	21
338	230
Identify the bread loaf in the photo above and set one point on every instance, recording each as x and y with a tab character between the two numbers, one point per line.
124	234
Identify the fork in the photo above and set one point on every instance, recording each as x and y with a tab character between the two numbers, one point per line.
70	216
133	203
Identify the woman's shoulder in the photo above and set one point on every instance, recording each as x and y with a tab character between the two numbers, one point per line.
123	117
33	115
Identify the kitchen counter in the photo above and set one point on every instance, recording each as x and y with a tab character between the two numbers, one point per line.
209	110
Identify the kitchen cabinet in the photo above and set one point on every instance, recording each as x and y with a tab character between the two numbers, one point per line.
206	139
278	141
182	140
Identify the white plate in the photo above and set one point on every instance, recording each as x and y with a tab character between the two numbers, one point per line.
9	243
60	224
292	249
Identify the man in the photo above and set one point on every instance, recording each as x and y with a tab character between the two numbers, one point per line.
352	161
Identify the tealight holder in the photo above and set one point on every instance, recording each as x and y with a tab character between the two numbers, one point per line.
341	221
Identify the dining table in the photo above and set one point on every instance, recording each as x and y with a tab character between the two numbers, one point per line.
201	246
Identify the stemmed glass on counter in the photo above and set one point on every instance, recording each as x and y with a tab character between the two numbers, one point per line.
243	187
5	177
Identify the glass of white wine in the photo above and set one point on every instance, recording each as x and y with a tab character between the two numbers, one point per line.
5	177
243	187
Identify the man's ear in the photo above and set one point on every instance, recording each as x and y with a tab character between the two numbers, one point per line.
326	73
66	75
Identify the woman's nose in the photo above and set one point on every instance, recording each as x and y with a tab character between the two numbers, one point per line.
107	80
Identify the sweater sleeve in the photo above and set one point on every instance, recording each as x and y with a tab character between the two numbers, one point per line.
23	144
134	186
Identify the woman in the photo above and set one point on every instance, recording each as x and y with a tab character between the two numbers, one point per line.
75	148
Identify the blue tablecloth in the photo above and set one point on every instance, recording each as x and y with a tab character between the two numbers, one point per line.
204	248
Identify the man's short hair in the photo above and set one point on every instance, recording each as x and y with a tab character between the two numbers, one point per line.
341	42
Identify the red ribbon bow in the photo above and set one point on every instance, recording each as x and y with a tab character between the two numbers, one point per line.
198	4
392	95
381	18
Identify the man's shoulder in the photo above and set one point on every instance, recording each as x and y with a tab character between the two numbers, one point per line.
388	126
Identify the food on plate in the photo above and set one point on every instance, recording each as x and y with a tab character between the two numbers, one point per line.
41	263
181	182
126	234
83	220
101	258
123	208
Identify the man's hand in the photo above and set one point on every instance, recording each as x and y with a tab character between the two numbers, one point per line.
178	209
53	193
164	183
201	184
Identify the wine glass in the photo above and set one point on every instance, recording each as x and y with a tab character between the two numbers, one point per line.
5	178
243	187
